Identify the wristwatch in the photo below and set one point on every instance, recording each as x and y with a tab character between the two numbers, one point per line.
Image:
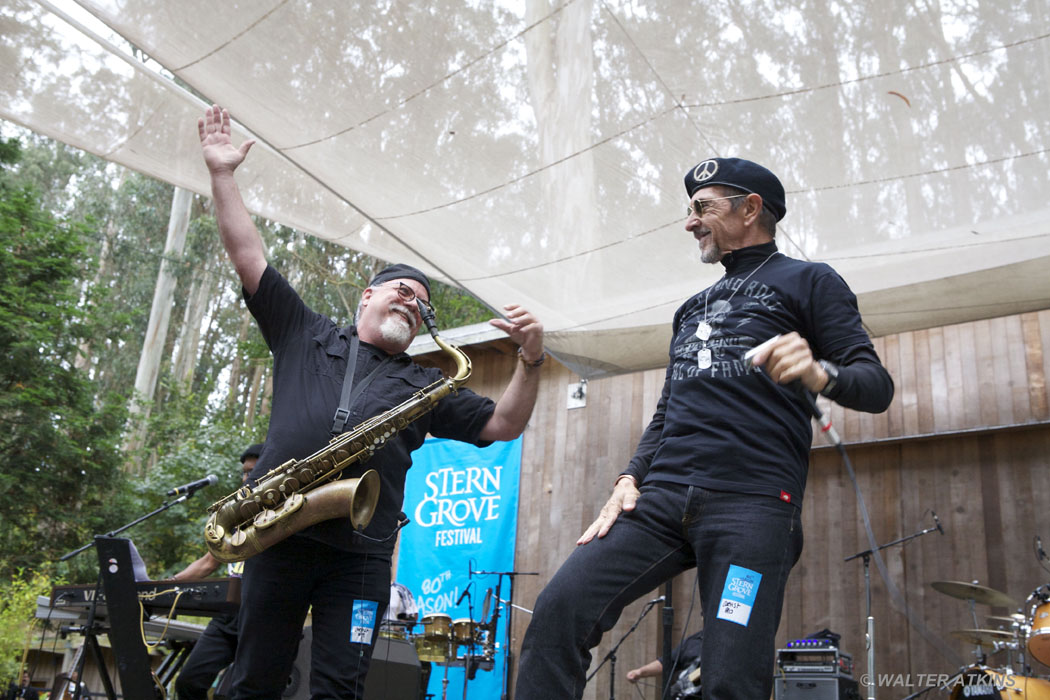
833	377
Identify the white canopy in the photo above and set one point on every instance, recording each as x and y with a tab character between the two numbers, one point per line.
533	151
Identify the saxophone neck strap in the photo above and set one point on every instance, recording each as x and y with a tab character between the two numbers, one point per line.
350	393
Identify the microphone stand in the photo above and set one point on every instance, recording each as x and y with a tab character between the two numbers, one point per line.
163	507
611	656
869	635
508	653
668	620
89	627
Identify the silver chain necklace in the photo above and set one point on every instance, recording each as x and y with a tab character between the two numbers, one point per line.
704	329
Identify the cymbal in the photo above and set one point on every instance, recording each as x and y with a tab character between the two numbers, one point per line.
1017	618
974	592
983	637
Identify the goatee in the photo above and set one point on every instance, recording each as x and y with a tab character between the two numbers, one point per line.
396	329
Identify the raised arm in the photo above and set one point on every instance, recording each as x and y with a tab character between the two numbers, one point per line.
239	236
515	405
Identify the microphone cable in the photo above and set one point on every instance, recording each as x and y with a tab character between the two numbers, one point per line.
895	594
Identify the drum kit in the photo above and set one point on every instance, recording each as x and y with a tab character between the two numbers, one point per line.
443	639
464	642
1023	635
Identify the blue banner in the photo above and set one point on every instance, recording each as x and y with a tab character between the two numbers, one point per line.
463	503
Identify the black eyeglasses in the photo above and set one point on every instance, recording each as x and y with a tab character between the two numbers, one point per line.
408	295
699	207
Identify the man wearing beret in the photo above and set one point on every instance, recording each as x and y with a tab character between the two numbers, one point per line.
340	574
717	480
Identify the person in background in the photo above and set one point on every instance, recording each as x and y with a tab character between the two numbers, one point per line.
217	645
24	690
685	657
403	608
74	685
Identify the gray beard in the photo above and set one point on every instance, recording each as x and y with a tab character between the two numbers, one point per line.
711	254
396	330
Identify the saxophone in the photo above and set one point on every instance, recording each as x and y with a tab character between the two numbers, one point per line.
302	492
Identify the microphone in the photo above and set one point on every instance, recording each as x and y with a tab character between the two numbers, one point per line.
464	594
937	521
1039	548
654	601
194	486
485	606
823	420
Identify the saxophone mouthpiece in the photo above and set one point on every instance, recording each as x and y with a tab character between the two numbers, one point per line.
426	311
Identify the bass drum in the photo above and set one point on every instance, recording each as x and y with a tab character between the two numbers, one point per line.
1039	636
983	682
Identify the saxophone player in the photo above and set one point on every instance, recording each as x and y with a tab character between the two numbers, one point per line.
341	574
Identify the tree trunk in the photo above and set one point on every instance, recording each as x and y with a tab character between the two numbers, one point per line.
235	368
159	318
560	71
84	350
253	396
190	335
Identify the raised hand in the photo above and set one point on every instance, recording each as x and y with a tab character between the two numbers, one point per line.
524	329
220	155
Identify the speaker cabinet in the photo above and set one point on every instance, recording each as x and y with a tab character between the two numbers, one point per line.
395	672
802	686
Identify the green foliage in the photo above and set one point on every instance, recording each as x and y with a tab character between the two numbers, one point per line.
10	150
17	616
81	242
58	440
187	448
455	307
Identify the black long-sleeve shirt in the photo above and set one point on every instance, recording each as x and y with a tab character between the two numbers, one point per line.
729	427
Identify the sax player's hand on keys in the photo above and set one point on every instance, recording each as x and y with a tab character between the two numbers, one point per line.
624	497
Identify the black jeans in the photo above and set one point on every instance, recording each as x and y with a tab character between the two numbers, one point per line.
280	585
672	529
213	652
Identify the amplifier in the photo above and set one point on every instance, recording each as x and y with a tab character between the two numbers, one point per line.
814	687
394	673
815	660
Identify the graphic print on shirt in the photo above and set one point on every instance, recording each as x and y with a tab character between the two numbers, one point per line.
728	308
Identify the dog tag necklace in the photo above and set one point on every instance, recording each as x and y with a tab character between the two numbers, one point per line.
704	356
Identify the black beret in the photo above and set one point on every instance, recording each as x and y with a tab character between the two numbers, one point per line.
401	272
252	451
741	174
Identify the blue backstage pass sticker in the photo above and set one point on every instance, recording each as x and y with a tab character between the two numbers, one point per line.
363	621
739	594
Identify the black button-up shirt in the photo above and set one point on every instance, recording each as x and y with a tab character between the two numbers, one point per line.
310	359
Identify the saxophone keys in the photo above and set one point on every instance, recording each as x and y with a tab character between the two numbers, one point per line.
265	519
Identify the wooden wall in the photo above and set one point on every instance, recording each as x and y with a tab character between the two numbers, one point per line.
967	436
